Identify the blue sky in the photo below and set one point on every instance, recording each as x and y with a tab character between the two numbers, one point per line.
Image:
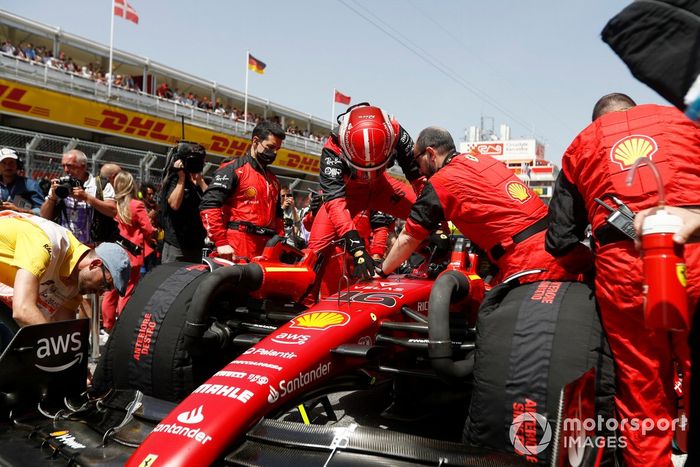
537	65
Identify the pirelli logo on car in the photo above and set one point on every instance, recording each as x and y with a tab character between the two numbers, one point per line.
630	148
321	320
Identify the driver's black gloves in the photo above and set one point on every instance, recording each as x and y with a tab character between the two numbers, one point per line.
440	243
364	264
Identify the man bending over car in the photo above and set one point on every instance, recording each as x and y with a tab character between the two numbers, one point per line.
488	204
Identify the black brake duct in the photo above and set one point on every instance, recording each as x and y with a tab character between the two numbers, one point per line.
449	287
231	280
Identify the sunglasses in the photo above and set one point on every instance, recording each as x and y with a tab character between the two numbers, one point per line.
423	153
105	285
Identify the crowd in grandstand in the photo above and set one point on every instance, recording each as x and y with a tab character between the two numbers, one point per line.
93	71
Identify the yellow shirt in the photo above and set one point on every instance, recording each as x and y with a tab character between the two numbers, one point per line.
24	245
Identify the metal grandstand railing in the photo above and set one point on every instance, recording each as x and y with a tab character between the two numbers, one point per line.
74	84
41	154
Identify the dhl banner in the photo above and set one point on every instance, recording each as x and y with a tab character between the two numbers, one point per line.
42	104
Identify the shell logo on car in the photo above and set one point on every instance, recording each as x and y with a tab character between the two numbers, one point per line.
321	320
630	148
518	191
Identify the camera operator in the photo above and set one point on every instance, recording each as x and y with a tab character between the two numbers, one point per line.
74	198
181	194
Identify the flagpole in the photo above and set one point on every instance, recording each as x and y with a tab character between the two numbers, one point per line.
111	49
245	100
333	109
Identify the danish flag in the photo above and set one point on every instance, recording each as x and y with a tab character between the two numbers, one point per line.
126	11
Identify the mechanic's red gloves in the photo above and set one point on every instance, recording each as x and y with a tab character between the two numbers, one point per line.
364	264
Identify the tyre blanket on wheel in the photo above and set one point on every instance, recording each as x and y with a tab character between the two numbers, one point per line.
146	350
531	340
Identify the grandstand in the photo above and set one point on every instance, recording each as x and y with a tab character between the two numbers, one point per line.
56	98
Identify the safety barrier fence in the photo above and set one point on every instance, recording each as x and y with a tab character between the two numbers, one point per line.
41	157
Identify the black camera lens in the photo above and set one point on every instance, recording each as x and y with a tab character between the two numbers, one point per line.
63	190
65	186
193	164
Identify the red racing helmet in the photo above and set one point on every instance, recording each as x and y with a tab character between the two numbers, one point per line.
367	137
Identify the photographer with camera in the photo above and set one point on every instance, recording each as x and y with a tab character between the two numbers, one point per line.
290	213
78	200
180	195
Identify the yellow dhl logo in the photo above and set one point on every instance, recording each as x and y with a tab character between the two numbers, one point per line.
44	104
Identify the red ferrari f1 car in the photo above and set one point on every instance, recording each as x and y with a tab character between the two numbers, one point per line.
209	363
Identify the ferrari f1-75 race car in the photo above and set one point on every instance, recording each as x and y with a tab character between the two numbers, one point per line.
224	364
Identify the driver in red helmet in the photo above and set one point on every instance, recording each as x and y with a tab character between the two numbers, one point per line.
354	179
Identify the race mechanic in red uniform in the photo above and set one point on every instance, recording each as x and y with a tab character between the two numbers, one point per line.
353	179
240	209
488	203
373	228
596	165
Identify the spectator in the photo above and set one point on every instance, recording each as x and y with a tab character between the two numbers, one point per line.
17	193
148	195
109	171
290	214
7	48
136	231
110	299
45	185
76	212
44	270
241	209
181	195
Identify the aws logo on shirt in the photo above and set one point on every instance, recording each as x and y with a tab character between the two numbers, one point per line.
47	247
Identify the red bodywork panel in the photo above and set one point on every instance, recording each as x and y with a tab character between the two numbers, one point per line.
280	368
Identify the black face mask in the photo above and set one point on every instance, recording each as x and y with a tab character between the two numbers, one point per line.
266	157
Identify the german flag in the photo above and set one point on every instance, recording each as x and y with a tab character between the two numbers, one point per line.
256	65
